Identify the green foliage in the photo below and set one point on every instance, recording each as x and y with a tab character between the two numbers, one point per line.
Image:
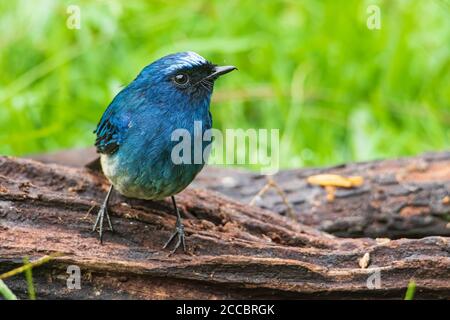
29	278
6	292
337	90
411	290
25	268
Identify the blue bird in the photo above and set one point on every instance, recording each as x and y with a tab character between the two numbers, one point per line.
134	133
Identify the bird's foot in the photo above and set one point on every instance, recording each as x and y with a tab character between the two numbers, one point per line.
99	221
179	231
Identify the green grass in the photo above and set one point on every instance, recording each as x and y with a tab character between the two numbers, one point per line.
411	290
336	90
29	278
26	268
5	292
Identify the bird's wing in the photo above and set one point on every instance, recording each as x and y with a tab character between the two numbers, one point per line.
112	128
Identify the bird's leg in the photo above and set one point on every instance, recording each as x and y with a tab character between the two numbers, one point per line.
179	231
100	215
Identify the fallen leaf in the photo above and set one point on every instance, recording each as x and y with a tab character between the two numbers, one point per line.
335	180
364	261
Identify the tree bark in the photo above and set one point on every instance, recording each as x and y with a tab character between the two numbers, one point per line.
235	250
406	197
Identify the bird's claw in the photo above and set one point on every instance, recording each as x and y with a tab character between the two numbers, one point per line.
179	231
99	222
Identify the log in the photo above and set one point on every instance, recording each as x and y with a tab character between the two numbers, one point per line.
235	250
399	198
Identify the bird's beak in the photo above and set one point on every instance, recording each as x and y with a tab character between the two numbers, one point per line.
220	70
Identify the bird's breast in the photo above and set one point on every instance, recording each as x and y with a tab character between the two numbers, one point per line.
144	168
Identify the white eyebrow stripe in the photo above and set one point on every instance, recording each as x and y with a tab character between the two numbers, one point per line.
190	60
194	58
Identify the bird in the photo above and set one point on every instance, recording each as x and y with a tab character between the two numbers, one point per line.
134	134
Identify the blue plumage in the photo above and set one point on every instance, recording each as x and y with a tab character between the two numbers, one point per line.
134	133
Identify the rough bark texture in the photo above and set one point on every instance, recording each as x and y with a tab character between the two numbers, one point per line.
235	250
399	198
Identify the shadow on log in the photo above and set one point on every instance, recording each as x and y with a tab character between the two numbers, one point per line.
235	250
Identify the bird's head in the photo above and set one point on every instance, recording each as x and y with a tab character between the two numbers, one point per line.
183	76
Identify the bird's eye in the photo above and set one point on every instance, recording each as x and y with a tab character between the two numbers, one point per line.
181	79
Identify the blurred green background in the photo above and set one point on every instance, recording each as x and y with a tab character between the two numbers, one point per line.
337	90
